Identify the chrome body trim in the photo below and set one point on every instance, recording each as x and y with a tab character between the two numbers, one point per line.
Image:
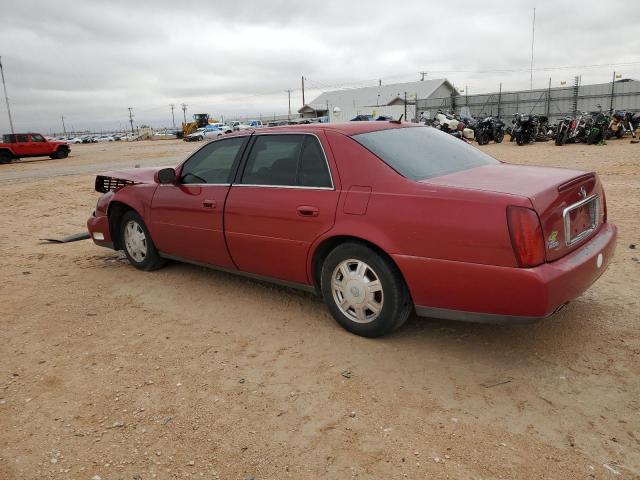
566	220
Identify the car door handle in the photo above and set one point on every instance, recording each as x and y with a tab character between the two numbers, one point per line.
209	203
308	211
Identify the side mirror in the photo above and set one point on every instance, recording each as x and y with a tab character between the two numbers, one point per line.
166	176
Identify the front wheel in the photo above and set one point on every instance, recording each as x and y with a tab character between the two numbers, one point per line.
137	244
364	291
483	137
521	139
499	136
59	154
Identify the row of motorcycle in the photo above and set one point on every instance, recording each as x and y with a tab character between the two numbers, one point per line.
589	128
596	127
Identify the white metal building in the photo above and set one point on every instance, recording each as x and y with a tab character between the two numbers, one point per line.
343	105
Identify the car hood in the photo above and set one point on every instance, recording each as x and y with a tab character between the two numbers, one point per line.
135	175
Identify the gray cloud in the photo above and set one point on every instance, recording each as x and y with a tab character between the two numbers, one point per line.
92	60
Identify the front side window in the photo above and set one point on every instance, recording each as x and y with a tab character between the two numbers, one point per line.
418	153
37	138
287	160
213	163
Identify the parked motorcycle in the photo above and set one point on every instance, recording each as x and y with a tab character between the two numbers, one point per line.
525	129
597	128
488	129
621	123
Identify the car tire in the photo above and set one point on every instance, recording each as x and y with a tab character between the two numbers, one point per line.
5	157
137	243
364	290
60	154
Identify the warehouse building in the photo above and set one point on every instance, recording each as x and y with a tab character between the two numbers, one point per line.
389	100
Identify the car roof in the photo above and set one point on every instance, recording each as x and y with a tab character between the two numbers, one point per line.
346	128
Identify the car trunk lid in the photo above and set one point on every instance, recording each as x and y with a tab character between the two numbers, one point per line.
569	203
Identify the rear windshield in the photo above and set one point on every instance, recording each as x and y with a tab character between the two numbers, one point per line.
422	152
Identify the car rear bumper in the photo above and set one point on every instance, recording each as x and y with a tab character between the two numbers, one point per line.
493	294
99	229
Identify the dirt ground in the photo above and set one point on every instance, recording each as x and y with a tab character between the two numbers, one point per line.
108	372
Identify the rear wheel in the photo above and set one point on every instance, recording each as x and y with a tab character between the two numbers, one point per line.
364	290
499	136
137	244
5	157
561	137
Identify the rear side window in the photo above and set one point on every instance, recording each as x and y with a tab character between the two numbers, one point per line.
422	152
313	170
213	163
287	160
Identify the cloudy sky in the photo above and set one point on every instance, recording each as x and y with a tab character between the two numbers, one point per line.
90	61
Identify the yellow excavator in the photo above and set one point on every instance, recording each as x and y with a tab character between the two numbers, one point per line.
199	120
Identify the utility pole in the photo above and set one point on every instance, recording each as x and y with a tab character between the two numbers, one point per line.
422	76
533	37
6	98
289	93
303	103
184	112
173	118
64	129
131	119
499	99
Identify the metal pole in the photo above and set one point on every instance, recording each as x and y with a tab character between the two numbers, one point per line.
173	118
549	99
289	114
405	106
303	102
184	112
64	129
6	98
613	91
533	38
499	99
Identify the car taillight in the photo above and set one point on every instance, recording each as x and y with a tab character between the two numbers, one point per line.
526	236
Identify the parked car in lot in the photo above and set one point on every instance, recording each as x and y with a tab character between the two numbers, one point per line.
237	125
73	140
23	145
379	218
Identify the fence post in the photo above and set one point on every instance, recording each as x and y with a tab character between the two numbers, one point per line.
549	99
613	91
576	90
499	99
405	106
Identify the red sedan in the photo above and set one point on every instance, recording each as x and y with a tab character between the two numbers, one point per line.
379	218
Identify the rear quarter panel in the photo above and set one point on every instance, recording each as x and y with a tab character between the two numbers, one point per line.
410	218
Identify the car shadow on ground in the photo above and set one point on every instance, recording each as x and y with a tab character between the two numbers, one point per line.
570	330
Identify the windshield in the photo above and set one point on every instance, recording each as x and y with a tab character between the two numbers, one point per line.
422	152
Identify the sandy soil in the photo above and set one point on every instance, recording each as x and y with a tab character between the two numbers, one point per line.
185	372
